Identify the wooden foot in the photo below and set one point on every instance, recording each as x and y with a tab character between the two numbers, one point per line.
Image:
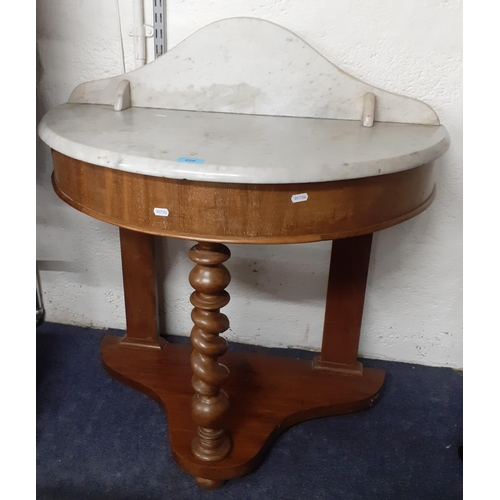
210	403
209	484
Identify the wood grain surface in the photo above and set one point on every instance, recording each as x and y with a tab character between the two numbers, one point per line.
210	403
345	298
243	213
139	289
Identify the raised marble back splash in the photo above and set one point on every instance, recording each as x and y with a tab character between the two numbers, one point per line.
253	66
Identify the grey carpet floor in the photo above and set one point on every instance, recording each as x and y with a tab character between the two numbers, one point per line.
98	439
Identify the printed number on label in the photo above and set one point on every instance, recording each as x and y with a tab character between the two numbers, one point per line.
163	212
296	198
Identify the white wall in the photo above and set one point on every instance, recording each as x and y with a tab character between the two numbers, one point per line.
413	309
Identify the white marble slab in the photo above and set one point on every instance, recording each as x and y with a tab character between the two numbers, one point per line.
247	65
239	148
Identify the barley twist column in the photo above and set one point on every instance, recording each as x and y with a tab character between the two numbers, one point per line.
210	404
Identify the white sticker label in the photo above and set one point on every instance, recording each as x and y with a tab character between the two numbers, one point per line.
163	212
296	198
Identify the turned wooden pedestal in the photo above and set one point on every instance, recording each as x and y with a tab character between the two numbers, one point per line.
224	409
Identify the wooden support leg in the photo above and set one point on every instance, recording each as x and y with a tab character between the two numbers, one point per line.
139	286
210	404
349	263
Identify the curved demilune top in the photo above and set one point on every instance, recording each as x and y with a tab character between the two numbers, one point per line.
237	148
241	103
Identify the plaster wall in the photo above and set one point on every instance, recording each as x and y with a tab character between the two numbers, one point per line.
413	308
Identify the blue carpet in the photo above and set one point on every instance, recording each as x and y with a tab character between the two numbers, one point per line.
98	439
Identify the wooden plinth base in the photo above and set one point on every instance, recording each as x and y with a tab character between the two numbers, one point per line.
268	395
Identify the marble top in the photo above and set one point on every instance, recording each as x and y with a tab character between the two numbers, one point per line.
237	148
244	100
252	66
